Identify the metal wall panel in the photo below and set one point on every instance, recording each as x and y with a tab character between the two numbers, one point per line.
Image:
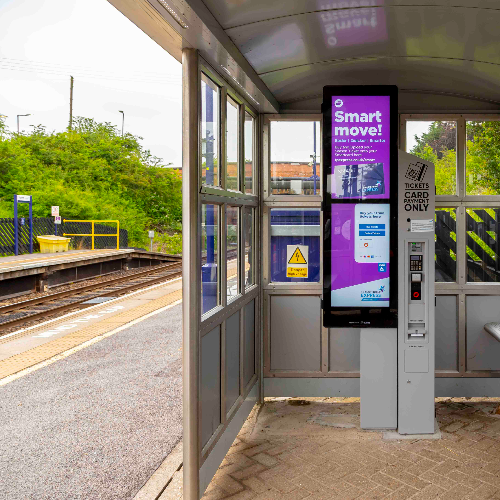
483	351
249	354
311	387
232	359
210	384
336	387
211	464
295	333
446	332
344	349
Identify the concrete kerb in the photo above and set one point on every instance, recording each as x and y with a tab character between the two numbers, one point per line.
162	477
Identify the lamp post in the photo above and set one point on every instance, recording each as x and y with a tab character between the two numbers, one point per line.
123	119
28	114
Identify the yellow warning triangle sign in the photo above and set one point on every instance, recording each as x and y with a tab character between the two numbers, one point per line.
297	257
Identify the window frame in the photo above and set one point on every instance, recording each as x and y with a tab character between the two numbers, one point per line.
238	253
220	195
268	197
220	115
461	201
461	288
254	152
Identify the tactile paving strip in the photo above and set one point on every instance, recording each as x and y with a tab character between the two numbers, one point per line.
68	317
46	351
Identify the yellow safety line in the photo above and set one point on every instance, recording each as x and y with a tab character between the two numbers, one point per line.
37	355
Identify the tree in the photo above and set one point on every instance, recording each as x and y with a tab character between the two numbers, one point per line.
91	172
483	158
440	137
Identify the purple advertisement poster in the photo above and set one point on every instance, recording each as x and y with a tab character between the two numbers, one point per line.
360	147
360	255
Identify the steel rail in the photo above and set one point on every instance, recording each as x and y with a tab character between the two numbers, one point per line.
174	267
60	295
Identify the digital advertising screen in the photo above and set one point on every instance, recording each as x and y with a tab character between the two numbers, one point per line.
360	208
360	255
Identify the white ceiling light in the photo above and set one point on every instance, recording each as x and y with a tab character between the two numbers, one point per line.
240	86
173	13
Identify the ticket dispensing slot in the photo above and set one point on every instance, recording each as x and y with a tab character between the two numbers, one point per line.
416	329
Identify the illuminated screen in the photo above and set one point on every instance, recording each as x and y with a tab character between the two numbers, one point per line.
360	254
360	147
360	205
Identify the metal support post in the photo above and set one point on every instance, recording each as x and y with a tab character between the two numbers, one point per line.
92	235
314	157
191	282
16	228
31	224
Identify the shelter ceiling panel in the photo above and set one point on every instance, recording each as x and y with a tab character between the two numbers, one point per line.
447	76
409	101
233	13
433	32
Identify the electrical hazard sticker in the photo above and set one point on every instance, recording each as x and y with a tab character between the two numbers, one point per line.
297	257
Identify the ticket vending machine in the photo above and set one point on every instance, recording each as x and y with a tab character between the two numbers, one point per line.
378	255
416	335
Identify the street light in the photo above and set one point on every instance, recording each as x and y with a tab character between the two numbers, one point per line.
123	119
28	114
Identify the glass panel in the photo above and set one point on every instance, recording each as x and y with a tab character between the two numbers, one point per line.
483	158
232	143
295	238
209	132
248	153
232	260
482	244
248	221
446	244
209	257
295	157
436	141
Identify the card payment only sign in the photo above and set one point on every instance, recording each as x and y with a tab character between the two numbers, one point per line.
297	258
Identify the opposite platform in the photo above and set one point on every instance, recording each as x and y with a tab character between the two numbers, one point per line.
36	272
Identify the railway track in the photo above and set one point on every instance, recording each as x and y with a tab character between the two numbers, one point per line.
32	310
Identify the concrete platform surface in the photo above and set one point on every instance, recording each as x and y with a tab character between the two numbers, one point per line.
34	260
98	423
31	346
287	450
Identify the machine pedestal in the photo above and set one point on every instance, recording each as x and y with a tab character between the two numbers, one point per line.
379	372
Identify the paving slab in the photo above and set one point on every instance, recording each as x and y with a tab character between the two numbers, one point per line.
318	451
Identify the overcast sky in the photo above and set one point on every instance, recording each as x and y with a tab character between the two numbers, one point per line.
415	128
116	67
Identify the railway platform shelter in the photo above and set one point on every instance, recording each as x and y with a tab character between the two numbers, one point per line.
253	78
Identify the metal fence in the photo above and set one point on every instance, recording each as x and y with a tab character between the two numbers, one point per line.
483	227
446	246
45	226
482	240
